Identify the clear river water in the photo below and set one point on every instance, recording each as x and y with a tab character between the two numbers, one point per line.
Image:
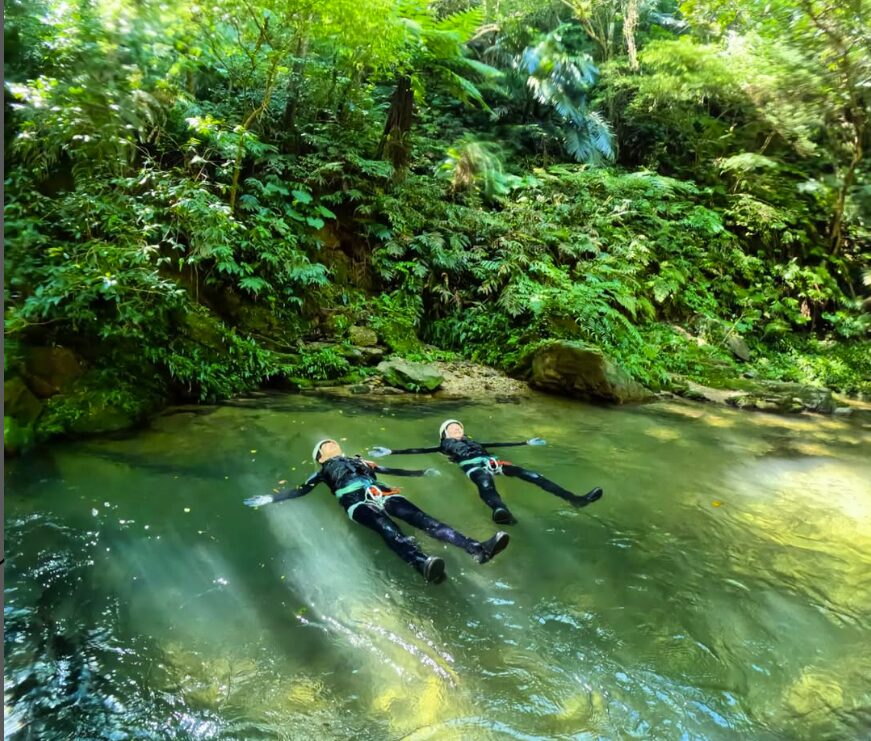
720	589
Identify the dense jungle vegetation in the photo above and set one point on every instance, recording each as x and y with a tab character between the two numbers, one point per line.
197	193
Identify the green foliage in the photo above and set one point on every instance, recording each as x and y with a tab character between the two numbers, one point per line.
477	167
844	367
560	80
172	170
319	365
395	317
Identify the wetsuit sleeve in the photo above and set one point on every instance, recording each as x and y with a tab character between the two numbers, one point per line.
398	471
500	445
299	491
415	451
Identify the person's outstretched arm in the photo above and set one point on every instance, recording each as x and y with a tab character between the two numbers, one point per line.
531	441
401	471
380	452
293	493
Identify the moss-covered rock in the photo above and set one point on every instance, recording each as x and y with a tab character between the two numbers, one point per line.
400	337
51	370
362	336
16	436
577	370
416	377
97	403
204	329
19	401
785	398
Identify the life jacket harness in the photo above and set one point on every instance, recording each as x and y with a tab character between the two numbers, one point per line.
486	463
374	494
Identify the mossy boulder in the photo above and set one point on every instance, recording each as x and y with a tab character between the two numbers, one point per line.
97	404
362	336
19	401
21	410
416	377
16	437
580	371
51	370
399	337
204	329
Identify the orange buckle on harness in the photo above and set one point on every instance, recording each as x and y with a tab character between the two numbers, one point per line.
374	492
495	466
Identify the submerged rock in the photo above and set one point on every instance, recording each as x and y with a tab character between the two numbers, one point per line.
417	377
580	371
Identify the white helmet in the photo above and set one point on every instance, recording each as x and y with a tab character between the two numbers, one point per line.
446	424
317	449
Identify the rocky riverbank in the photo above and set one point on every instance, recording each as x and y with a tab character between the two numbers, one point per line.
52	393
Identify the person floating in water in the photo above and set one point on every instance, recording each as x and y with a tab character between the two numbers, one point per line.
369	502
481	467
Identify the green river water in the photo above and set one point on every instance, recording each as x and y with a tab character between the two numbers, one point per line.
721	588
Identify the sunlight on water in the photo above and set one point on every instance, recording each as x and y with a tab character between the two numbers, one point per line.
719	590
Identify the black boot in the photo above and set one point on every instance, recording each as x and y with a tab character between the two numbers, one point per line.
433	569
594	495
490	548
503	516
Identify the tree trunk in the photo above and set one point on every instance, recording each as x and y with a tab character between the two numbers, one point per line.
395	141
630	23
293	83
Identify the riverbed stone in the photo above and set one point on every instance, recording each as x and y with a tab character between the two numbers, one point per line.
785	398
362	336
417	377
580	371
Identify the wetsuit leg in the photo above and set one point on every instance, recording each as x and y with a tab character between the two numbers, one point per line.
403	509
536	478
487	491
400	544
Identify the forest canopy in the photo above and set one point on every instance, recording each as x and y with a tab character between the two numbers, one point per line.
196	192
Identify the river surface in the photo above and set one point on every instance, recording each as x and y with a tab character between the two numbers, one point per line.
721	589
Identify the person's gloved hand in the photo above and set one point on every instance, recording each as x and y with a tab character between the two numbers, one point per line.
259	501
536	441
379	452
432	472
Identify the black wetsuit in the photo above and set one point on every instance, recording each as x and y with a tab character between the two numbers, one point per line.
473	457
354	474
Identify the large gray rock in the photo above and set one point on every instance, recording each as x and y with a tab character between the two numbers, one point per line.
584	372
785	398
51	370
362	336
417	377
